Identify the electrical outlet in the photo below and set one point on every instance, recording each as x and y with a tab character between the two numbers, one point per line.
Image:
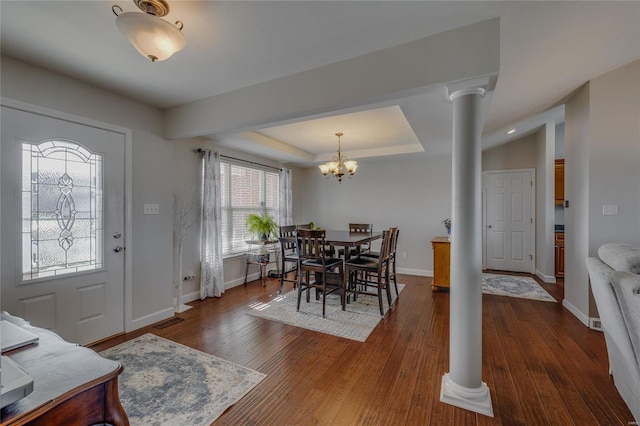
405	255
610	210
151	209
595	324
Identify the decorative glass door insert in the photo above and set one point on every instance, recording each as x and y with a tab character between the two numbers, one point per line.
62	219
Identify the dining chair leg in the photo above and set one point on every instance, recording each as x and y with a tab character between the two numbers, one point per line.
299	291
380	297
395	283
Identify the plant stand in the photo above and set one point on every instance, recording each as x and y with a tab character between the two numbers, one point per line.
254	257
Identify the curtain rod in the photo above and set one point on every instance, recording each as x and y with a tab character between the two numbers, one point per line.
202	151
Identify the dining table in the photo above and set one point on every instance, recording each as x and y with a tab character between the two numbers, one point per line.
348	239
345	238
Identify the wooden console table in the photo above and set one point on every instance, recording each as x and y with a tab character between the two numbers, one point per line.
73	385
441	262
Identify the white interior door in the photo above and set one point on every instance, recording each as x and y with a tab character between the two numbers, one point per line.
509	223
62	225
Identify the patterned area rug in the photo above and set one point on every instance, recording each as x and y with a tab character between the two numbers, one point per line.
514	286
165	383
355	323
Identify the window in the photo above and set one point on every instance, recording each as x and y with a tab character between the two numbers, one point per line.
61	209
245	190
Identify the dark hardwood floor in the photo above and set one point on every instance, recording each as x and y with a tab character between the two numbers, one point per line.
542	366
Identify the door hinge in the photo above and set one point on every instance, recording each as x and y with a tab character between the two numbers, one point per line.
531	256
531	220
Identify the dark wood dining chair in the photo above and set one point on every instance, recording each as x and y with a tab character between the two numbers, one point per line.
289	255
364	275
312	258
364	228
392	256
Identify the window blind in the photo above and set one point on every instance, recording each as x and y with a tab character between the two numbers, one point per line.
245	190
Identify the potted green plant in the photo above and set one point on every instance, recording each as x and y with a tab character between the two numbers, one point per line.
262	226
447	224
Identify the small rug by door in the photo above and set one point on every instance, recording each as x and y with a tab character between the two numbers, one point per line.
514	286
355	323
165	383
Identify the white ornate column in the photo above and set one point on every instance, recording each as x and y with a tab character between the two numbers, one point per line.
462	386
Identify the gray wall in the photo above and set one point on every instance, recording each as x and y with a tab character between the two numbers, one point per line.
152	158
576	231
519	154
187	180
413	193
614	158
602	150
534	151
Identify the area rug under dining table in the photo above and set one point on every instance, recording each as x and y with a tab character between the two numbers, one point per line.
355	323
165	383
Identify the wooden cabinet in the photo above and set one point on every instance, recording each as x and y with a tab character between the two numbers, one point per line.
441	262
73	386
559	254
559	183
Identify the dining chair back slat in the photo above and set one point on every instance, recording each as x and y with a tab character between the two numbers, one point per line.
360	228
363	273
288	254
312	258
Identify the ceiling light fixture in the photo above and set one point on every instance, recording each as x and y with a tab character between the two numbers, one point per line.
511	131
152	36
339	165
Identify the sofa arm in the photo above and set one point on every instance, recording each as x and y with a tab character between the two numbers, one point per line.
621	257
627	289
612	322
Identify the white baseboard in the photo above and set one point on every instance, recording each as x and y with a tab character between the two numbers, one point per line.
546	278
418	272
189	297
150	319
576	312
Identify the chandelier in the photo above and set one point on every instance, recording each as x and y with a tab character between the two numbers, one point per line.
340	165
152	36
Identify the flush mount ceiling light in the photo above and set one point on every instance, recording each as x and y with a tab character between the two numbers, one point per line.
152	36
339	165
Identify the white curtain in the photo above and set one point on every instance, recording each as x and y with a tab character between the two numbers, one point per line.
286	197
212	276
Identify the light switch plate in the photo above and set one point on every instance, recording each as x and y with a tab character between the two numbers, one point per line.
610	210
151	209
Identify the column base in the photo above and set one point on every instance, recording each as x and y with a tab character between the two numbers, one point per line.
472	399
182	308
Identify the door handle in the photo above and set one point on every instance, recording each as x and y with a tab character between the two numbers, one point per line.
489	226
118	249
117	235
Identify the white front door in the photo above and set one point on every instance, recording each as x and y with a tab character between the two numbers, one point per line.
509	224
62	225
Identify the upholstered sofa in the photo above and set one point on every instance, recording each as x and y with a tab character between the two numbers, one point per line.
615	281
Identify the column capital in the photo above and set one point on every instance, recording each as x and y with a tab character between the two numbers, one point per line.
475	86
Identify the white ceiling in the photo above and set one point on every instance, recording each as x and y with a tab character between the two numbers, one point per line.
548	49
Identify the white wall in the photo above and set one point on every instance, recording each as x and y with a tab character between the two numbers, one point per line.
545	195
186	166
152	155
534	151
412	193
602	151
518	154
614	158
576	192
